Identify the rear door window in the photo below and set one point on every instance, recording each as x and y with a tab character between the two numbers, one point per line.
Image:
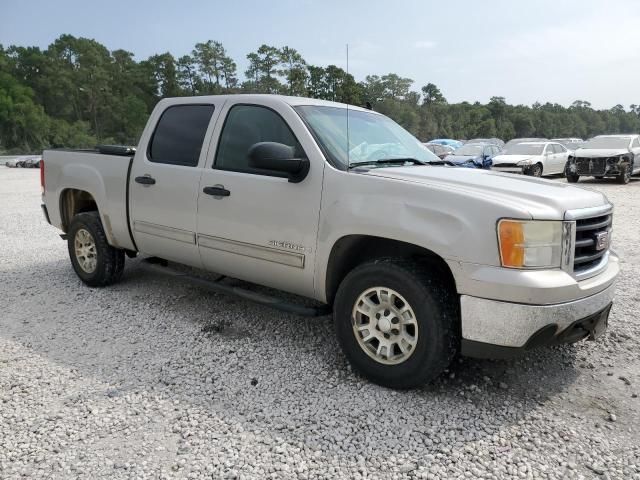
179	135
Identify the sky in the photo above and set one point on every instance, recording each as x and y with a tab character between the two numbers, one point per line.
539	50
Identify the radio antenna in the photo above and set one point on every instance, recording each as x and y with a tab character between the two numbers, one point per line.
346	80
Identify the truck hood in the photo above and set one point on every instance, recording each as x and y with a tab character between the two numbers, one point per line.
535	197
498	159
600	152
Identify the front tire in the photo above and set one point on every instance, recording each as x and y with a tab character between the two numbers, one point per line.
96	262
534	170
624	176
571	177
396	322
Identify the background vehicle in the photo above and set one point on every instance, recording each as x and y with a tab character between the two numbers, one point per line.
491	141
441	151
515	141
24	161
606	156
416	260
446	141
569	142
474	155
532	158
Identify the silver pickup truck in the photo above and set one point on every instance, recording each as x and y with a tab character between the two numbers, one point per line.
417	259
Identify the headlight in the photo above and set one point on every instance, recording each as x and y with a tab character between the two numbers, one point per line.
530	244
524	163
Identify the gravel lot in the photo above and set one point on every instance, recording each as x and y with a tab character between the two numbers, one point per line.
153	378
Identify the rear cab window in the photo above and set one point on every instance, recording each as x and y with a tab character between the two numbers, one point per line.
179	135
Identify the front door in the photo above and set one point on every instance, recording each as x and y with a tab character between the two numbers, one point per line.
550	160
635	149
256	225
164	182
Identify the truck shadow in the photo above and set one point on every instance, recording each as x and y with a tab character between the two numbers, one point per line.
256	366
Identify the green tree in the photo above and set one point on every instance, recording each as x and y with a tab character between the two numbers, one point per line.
262	71
188	77
294	71
432	94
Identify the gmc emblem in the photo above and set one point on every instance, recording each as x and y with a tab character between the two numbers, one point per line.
602	240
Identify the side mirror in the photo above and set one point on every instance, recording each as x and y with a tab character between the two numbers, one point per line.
278	157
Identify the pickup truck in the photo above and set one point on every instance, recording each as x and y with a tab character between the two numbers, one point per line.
417	259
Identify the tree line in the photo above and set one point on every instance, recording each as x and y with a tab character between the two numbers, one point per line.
78	93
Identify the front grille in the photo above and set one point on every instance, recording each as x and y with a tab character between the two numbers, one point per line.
591	166
587	254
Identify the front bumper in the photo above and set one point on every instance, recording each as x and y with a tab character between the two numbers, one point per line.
498	329
498	168
599	166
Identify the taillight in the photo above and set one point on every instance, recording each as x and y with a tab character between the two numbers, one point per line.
42	176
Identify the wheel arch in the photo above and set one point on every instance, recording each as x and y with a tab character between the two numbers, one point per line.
352	250
74	201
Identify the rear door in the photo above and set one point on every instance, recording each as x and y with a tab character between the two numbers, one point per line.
264	229
165	177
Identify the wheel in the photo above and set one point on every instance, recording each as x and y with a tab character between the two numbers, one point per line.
624	176
95	261
571	177
396	322
534	170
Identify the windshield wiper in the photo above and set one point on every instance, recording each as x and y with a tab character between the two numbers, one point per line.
415	161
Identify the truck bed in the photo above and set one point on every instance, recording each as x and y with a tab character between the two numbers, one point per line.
104	176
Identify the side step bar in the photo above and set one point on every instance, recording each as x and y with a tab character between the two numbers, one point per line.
161	266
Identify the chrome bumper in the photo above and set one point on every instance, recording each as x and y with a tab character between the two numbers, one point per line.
513	324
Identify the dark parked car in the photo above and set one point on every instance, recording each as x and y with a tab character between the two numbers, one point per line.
440	151
474	155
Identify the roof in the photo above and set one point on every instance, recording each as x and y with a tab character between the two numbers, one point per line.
618	135
262	97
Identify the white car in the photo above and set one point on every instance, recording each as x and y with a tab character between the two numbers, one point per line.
533	158
606	156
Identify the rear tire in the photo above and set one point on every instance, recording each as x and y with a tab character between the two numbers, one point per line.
409	308
96	262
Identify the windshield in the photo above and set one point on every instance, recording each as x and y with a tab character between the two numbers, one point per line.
607	142
469	150
524	149
372	136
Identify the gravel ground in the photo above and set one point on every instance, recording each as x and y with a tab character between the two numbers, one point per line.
153	378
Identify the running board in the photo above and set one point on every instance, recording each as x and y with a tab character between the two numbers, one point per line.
156	265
